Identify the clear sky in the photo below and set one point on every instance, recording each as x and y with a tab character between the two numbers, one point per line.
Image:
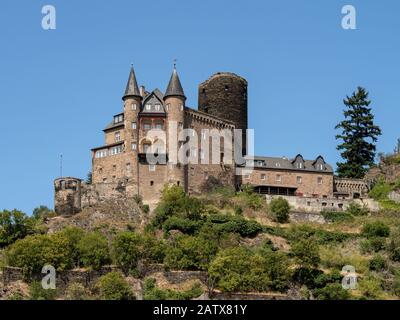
59	88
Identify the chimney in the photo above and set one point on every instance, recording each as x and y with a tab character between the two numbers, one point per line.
142	91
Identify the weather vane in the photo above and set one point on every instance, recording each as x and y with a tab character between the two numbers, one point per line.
175	63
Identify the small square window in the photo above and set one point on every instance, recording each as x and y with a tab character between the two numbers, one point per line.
278	178
319	180
152	167
263	177
134	106
134	146
299	179
134	126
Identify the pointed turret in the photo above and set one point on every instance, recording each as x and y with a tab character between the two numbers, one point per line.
132	88
174	86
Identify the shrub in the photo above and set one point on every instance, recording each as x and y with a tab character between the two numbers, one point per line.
127	249
239	269
394	246
151	292
238	210
146	208
93	250
335	216
375	229
377	263
76	291
34	252
374	244
370	287
306	252
36	292
332	291
113	286
182	224
73	235
235	224
190	253
356	209
280	210
252	199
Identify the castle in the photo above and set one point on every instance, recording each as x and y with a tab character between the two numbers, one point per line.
121	167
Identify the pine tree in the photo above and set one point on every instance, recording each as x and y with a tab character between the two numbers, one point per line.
359	135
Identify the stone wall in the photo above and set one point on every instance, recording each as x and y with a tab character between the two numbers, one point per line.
316	205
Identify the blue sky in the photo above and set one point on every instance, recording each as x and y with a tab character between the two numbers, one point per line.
59	88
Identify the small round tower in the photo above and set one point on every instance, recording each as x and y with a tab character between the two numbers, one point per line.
67	196
224	95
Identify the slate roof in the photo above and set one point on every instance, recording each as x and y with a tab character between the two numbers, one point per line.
132	88
174	87
283	163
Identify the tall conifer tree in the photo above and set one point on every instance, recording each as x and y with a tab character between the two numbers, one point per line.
359	135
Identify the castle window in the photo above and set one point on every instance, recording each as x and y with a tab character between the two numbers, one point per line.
152	167
157	107
319	180
128	167
119	118
151	183
167	107
299	165
117	136
104	180
263	177
178	183
159	125
321	166
205	108
298	179
134	125
134	146
100	170
147	125
134	106
226	88
115	150
148	107
101	153
278	178
181	107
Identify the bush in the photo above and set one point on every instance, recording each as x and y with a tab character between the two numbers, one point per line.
374	244
190	253
280	210
235	224
380	191
375	229
356	209
370	287
377	263
36	292
76	291
239	269
113	286
127	250
394	246
306	252
252	199
238	210
151	292
34	252
182	224
332	291
146	208
336	216
94	251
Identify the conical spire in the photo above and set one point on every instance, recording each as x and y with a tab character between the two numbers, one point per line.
174	86
132	88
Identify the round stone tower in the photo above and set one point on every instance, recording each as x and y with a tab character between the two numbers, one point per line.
67	200
224	95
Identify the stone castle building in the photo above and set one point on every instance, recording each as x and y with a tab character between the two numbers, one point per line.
150	122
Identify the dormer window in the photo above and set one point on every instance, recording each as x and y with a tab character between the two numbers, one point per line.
299	165
148	107
277	164
119	118
157	107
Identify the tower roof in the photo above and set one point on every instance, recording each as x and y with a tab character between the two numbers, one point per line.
132	88
174	86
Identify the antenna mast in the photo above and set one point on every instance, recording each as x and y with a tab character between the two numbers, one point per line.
61	165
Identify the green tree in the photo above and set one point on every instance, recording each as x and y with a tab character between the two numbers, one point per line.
14	225
280	209
94	251
113	286
127	249
332	291
359	135
306	252
190	253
